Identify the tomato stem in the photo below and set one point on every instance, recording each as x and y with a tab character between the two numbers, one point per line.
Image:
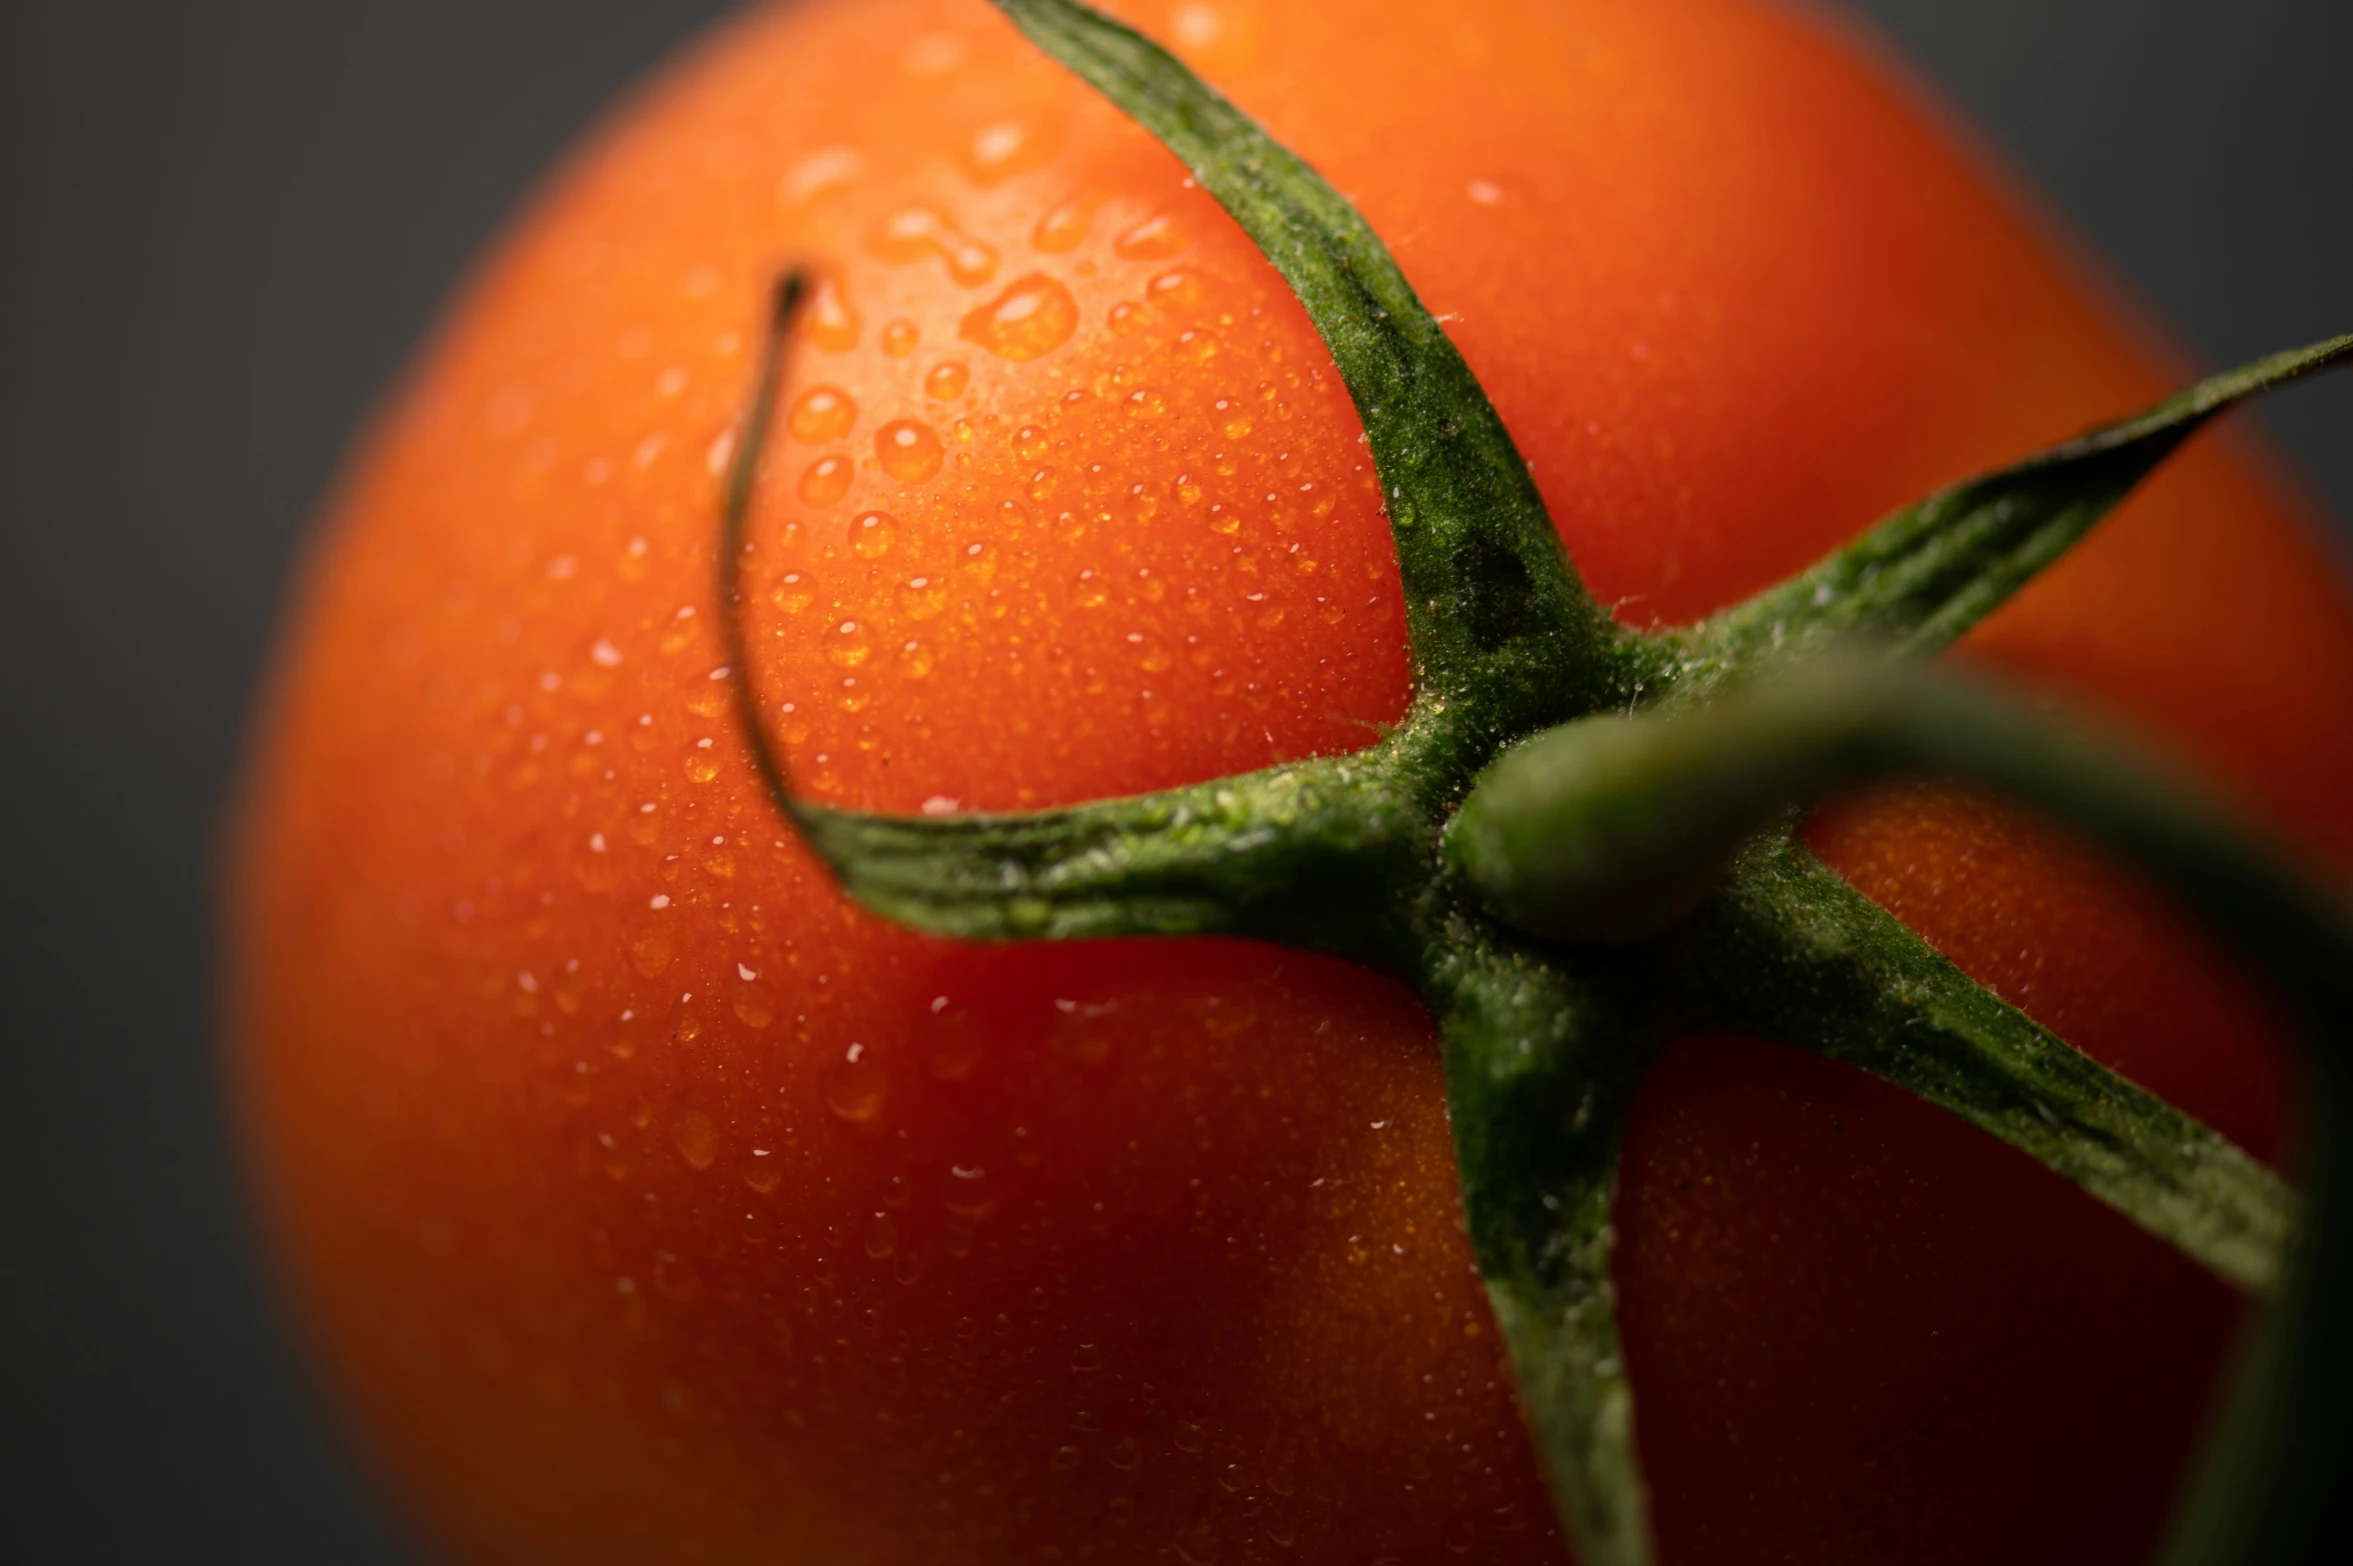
785	299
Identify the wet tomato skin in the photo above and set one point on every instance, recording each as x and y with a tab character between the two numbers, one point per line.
648	1202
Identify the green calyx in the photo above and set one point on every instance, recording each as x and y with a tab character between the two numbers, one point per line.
1528	920
1605	811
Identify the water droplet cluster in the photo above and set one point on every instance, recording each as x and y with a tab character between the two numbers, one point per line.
1096	457
1063	499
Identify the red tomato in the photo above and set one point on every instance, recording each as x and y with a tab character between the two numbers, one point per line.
651	1203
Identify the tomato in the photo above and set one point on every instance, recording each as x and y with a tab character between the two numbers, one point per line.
650	1202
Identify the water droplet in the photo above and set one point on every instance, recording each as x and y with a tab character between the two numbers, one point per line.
1122	1509
1331	1198
922	598
1237	426
829	320
621	1041
917	232
1190	1437
1086	1357
755	1004
1126	317
1031	318
1156	238
684	630
1082	1032
827	169
969	1191
1063	228
1041	484
998	152
1124	1453
1195	346
1178	289
1197	25
909	450
946	382
792	595
651	946
696	1138
915	661
882	1237
980	563
633	557
822	413
855	1087
907	1266
1029	444
899	338
934	54
847	647
1065	1458
871	535
827	480
951	1050
762	1171
1145	404
701	766
1485	192
1188	489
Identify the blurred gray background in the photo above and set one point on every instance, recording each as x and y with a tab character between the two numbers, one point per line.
225	224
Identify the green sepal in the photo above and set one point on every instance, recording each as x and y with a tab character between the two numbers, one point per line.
1617	824
1542	1054
1788	950
1491	600
1305	853
1917	580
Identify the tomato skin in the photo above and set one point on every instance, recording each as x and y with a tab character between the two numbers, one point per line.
628	1174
